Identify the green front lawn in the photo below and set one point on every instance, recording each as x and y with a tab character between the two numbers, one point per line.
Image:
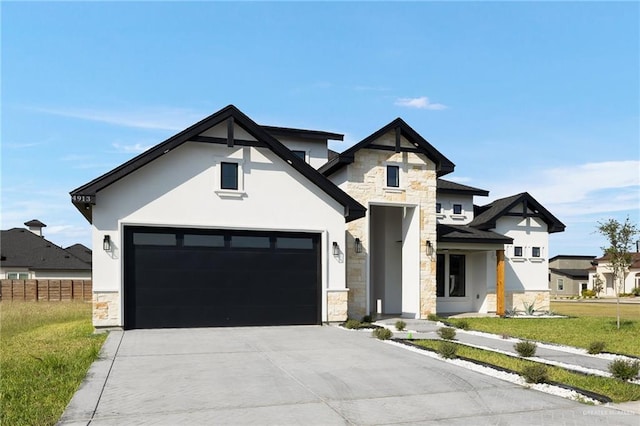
45	351
573	331
615	389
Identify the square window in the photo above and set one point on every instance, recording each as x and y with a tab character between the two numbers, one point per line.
535	251
300	154
438	208
517	251
393	176
457	209
229	176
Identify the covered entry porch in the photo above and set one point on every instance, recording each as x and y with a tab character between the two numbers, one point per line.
469	270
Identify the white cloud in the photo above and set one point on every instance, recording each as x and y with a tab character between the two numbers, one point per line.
135	148
150	118
585	189
419	103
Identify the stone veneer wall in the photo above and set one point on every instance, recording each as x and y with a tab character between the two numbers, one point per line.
337	305
517	300
366	179
106	309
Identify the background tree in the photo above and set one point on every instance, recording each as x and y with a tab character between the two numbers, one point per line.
598	284
621	238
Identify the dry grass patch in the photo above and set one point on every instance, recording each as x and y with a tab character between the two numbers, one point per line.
45	351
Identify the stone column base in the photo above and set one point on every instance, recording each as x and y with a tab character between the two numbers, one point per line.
106	309
337	305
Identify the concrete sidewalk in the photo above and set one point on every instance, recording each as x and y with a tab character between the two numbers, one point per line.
300	375
563	356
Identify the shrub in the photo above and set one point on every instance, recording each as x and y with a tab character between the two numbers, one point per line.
525	348
447	333
510	312
536	373
400	325
433	317
352	324
382	333
588	293
636	291
595	347
366	318
624	369
447	349
462	324
529	308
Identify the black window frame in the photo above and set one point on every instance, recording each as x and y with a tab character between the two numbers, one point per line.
457	209
438	207
300	154
535	251
393	181
517	251
224	183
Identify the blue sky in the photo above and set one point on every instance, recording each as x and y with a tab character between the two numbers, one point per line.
541	97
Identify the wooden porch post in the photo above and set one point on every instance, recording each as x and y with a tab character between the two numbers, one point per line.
500	282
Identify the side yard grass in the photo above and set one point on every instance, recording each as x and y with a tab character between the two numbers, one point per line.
617	390
596	322
46	349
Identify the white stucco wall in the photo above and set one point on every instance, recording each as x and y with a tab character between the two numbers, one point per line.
525	273
316	151
178	190
446	214
48	275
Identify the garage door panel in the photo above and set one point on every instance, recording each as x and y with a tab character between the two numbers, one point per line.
218	278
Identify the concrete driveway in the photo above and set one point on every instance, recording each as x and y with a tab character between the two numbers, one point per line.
300	375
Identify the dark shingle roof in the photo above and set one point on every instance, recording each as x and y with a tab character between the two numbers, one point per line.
466	234
23	248
443	164
81	252
635	260
448	187
571	273
486	216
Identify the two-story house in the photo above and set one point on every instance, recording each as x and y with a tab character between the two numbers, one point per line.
569	275
233	223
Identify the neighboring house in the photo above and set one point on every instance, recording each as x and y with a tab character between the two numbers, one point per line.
26	254
80	251
601	267
569	275
233	223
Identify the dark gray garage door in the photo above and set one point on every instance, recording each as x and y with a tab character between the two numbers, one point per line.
197	278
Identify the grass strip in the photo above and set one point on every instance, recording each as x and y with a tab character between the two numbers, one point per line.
46	349
615	389
579	332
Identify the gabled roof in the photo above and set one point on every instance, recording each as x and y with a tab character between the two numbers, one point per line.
635	260
571	257
84	196
467	234
448	187
443	164
486	216
80	251
22	248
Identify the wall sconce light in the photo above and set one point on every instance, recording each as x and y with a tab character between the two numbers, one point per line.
429	248
358	245
106	243
336	249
